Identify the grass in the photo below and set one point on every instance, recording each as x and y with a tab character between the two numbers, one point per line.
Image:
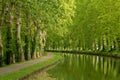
41	76
21	73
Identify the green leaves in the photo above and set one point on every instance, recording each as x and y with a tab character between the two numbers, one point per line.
92	22
83	24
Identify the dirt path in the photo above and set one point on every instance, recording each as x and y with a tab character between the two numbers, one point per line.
16	67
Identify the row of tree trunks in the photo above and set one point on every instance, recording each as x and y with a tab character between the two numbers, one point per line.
42	40
11	17
105	44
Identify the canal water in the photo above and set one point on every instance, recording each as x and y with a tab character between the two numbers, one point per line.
86	67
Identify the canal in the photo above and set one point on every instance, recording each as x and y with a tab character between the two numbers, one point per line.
86	67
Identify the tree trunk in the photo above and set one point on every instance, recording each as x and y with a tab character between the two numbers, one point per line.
12	58
2	14
43	40
28	38
37	29
19	44
8	24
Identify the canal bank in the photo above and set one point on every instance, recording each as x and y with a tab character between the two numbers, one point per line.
96	53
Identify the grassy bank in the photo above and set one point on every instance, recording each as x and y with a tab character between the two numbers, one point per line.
112	54
21	73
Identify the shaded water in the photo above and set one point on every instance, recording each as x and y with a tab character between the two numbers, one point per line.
85	67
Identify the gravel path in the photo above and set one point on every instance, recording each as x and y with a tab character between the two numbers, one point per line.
16	67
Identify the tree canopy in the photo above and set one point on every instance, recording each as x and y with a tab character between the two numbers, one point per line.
28	27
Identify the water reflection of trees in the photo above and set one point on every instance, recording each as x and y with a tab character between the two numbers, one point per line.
108	68
85	67
105	65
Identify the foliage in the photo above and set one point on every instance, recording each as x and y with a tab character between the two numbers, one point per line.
95	27
30	26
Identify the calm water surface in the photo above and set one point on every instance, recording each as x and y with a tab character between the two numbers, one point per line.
85	67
